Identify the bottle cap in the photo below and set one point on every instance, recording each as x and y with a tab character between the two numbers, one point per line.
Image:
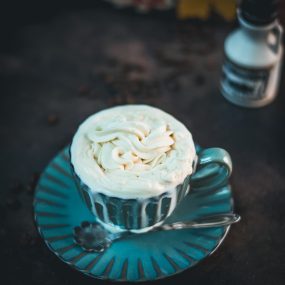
259	12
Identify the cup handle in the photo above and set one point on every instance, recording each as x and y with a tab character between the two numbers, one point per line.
277	31
213	169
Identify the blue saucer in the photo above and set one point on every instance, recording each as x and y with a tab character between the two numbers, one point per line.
58	209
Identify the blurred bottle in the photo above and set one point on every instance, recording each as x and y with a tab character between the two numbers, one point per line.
253	55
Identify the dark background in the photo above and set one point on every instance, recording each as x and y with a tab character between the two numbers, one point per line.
59	64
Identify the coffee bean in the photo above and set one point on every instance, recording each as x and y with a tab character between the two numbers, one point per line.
16	187
83	90
130	99
108	78
25	239
173	85
13	203
126	68
115	100
199	80
52	119
33	183
33	241
211	63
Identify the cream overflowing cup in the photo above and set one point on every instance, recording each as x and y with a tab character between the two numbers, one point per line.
134	164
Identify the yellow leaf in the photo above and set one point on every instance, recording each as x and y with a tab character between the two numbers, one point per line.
193	9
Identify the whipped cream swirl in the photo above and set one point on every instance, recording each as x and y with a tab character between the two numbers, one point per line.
131	146
132	151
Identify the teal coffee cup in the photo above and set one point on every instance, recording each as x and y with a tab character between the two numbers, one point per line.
134	164
212	166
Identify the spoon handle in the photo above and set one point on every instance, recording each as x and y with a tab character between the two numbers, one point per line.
204	222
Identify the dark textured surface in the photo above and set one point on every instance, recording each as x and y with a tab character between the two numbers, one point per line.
56	73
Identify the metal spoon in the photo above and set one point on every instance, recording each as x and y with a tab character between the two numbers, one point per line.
93	237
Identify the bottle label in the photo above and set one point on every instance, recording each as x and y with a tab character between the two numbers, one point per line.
244	84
